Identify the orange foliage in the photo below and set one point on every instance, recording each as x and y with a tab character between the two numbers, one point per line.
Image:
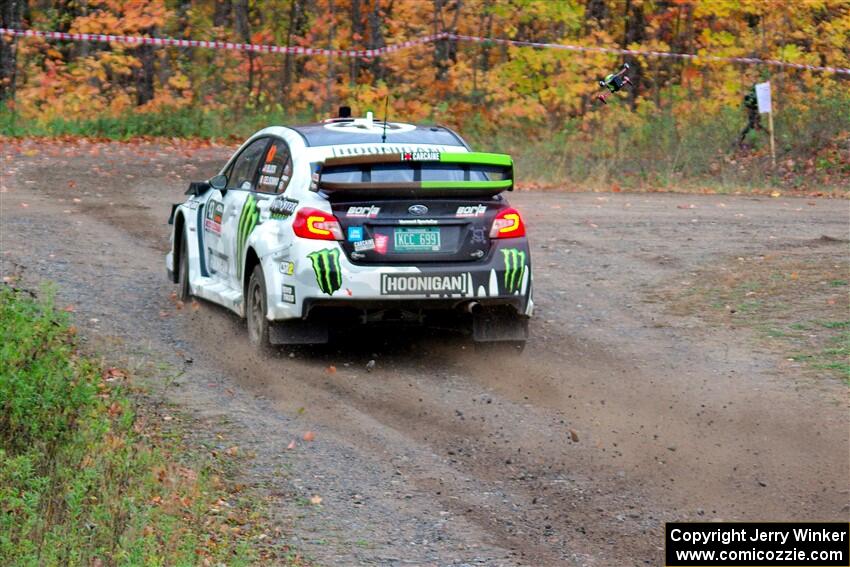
447	81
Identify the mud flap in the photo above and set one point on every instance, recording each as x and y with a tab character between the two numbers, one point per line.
499	324
298	332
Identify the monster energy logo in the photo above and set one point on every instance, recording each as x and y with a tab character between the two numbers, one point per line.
247	221
327	268
514	268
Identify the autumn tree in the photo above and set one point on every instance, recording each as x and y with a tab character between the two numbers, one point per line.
11	15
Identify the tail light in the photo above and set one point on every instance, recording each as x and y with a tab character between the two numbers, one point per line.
507	224
317	225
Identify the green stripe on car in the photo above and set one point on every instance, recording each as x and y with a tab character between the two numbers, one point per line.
480	158
500	184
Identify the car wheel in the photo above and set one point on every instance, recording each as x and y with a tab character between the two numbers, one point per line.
184	293
256	307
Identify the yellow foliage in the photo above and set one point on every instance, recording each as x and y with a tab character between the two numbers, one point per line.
446	81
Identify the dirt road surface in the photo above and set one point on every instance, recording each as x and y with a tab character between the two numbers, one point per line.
617	418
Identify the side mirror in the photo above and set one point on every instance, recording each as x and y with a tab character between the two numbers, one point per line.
219	182
197	188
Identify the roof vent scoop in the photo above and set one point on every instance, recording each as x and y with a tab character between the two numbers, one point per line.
344	112
365	123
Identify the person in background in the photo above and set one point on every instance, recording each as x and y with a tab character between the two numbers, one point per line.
753	117
613	83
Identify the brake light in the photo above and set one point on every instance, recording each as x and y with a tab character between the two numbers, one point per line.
316	225
507	224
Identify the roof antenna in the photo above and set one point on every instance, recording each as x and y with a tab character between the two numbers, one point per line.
386	110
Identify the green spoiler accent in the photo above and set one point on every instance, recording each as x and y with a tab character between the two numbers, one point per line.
501	184
485	166
480	158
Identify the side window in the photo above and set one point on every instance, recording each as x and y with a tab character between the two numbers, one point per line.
276	170
245	167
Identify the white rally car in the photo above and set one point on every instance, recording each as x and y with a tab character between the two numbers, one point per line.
309	229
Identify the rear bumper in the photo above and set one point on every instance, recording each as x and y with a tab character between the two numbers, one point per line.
323	277
465	304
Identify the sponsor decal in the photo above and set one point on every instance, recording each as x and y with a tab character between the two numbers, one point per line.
423	284
364	245
218	262
363	149
282	207
270	168
271	153
248	220
282	183
355	233
212	221
417	221
514	268
381	242
327	268
479	235
192	205
363	212
287	268
287	294
474	211
421	155
269	180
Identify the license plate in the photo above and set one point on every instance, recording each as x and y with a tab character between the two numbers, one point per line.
417	239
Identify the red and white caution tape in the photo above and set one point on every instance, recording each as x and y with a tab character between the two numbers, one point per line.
257	48
366	53
647	53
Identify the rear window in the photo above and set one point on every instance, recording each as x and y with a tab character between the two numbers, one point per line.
346	174
411	172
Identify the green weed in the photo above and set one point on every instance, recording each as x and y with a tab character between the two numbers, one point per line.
87	479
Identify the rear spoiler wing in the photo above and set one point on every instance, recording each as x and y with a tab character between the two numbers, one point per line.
423	173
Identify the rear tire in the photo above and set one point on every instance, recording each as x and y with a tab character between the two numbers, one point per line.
256	307
184	292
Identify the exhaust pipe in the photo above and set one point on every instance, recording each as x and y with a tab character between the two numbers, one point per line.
472	306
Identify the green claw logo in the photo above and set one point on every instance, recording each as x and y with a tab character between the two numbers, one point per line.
327	268
514	268
247	221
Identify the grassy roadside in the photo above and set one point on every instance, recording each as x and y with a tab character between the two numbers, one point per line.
612	150
796	302
90	475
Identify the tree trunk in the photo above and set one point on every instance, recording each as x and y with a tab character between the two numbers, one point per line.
145	73
635	30
221	16
329	79
10	16
595	15
291	65
445	50
243	30
357	32
376	39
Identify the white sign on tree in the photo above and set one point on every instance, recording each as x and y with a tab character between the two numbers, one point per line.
763	96
764	102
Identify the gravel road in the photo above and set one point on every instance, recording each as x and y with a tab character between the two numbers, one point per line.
617	418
